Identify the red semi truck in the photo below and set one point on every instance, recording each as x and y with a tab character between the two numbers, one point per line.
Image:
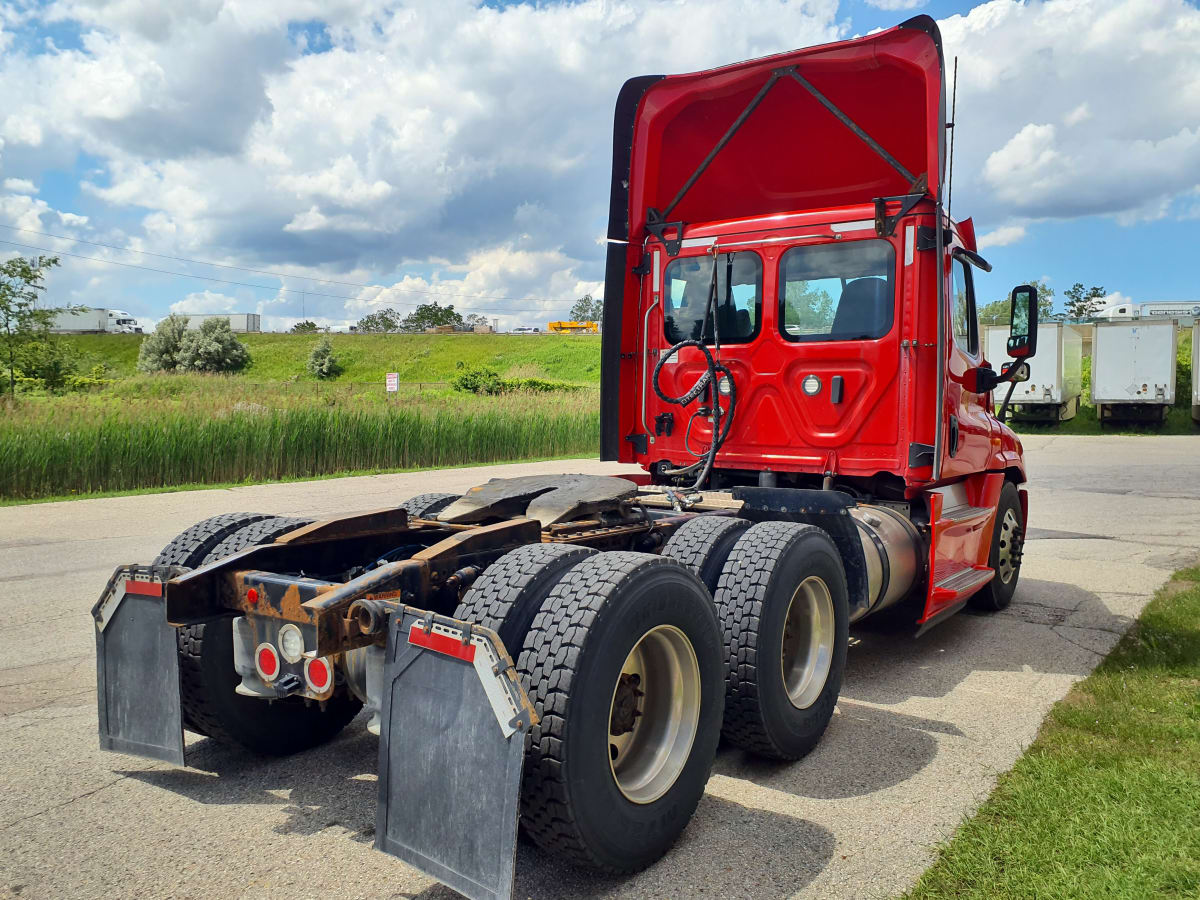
790	353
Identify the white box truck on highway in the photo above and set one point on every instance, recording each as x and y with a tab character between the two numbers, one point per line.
1133	369
94	321
1055	377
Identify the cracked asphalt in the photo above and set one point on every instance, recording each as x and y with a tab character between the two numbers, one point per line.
921	730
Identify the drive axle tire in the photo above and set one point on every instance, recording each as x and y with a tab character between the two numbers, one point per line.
703	545
784	610
624	664
191	546
426	506
208	680
1008	540
509	593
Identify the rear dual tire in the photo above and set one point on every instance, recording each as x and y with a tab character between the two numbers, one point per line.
784	611
627	643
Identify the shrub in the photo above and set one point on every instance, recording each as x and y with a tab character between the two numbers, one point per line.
211	348
321	361
160	350
486	381
47	364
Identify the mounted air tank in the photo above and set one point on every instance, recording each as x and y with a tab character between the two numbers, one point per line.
1055	373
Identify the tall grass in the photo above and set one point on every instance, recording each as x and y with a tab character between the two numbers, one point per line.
126	439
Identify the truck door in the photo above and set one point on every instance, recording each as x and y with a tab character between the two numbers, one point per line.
968	427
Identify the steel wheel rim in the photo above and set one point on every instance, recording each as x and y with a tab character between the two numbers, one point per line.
1007	559
808	635
647	760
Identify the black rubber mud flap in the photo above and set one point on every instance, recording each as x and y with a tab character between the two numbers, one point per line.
451	743
137	666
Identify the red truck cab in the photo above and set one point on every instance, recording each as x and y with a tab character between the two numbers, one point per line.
783	212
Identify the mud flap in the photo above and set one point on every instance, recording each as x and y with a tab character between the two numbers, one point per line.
451	743
137	666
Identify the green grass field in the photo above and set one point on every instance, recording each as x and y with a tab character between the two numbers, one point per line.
1106	802
368	357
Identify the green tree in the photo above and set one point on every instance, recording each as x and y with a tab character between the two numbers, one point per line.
475	319
381	322
1083	303
22	320
211	348
999	311
586	309
321	361
807	309
159	351
308	326
430	315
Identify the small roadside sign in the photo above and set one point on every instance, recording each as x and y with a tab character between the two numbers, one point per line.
393	382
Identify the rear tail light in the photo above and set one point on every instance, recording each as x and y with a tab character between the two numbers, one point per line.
266	661
319	674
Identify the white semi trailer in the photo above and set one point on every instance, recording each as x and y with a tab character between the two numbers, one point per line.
1196	370
238	322
1055	377
1133	369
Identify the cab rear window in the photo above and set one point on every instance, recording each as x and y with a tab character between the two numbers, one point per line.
689	284
837	292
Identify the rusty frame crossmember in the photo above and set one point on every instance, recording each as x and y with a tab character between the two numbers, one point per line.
248	583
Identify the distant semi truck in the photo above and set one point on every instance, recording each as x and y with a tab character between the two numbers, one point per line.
94	321
1186	312
238	322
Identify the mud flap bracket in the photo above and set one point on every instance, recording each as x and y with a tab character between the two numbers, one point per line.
137	666
451	744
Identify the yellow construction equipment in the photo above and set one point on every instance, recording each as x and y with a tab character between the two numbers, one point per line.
573	327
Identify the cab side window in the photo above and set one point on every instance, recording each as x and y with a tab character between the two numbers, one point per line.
962	308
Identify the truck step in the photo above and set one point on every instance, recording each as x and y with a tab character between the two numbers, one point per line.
959	515
962	583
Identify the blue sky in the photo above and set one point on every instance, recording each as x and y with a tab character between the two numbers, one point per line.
386	154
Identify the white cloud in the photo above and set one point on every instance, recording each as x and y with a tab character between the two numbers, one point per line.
208	302
1119	76
1002	237
468	146
896	4
1081	113
20	186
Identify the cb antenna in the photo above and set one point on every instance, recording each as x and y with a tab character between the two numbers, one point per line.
953	122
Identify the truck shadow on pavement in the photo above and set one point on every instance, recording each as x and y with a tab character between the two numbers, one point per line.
746	846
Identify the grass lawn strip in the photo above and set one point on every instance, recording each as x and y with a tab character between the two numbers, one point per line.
1106	801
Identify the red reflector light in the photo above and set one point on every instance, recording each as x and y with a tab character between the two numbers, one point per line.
145	588
252	595
318	675
267	661
442	643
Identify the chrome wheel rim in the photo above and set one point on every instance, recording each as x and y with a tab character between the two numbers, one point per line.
808	635
654	714
1009	558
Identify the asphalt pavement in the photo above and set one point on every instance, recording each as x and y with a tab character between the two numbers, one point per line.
921	731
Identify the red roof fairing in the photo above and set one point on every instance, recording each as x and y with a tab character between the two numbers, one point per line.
791	152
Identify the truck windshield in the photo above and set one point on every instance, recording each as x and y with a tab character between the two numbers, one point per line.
837	292
739	294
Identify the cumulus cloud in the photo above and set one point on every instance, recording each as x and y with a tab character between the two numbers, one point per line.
465	148
200	302
1002	237
896	4
1071	109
